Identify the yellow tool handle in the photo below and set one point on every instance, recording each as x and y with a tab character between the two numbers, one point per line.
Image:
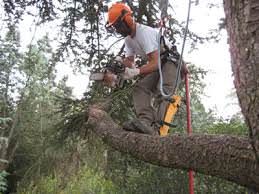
169	116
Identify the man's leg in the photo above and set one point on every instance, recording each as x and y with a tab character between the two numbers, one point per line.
142	97
169	77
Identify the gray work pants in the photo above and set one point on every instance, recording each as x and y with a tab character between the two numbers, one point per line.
149	104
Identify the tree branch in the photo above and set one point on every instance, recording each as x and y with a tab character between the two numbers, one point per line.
224	156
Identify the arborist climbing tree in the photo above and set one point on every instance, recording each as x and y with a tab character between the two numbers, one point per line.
159	76
144	41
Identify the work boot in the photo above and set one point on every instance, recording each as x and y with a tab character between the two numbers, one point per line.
144	127
129	126
135	125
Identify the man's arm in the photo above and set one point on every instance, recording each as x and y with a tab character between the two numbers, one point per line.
152	64
150	67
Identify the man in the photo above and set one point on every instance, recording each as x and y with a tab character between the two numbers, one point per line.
142	40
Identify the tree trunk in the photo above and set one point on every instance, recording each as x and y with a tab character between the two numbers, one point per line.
242	19
3	153
224	156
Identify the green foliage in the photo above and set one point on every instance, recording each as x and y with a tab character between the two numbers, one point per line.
90	182
4	121
38	112
85	181
211	185
234	126
10	59
134	176
46	185
3	181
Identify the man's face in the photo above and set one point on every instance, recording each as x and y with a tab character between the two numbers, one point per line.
122	28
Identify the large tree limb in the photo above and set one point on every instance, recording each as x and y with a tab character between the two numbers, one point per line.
224	156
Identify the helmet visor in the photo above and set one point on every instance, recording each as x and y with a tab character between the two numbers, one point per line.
119	26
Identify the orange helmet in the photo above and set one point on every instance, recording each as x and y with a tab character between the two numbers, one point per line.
119	10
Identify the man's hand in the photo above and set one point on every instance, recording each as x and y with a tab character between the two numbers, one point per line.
130	73
184	71
110	79
119	59
128	61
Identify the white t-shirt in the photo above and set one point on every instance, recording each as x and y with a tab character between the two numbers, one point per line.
144	42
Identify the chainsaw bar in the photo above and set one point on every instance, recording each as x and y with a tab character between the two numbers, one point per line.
119	82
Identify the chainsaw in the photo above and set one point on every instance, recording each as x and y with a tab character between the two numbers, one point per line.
115	69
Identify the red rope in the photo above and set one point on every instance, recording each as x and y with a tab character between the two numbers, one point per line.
189	127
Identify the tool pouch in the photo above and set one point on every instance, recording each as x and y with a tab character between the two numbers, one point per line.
167	54
164	50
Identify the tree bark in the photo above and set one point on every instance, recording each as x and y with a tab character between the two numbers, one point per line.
224	156
242	18
3	153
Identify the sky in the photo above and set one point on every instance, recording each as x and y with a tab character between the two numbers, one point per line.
213	57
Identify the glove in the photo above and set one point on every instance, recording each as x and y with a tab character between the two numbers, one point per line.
119	59
110	79
130	73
